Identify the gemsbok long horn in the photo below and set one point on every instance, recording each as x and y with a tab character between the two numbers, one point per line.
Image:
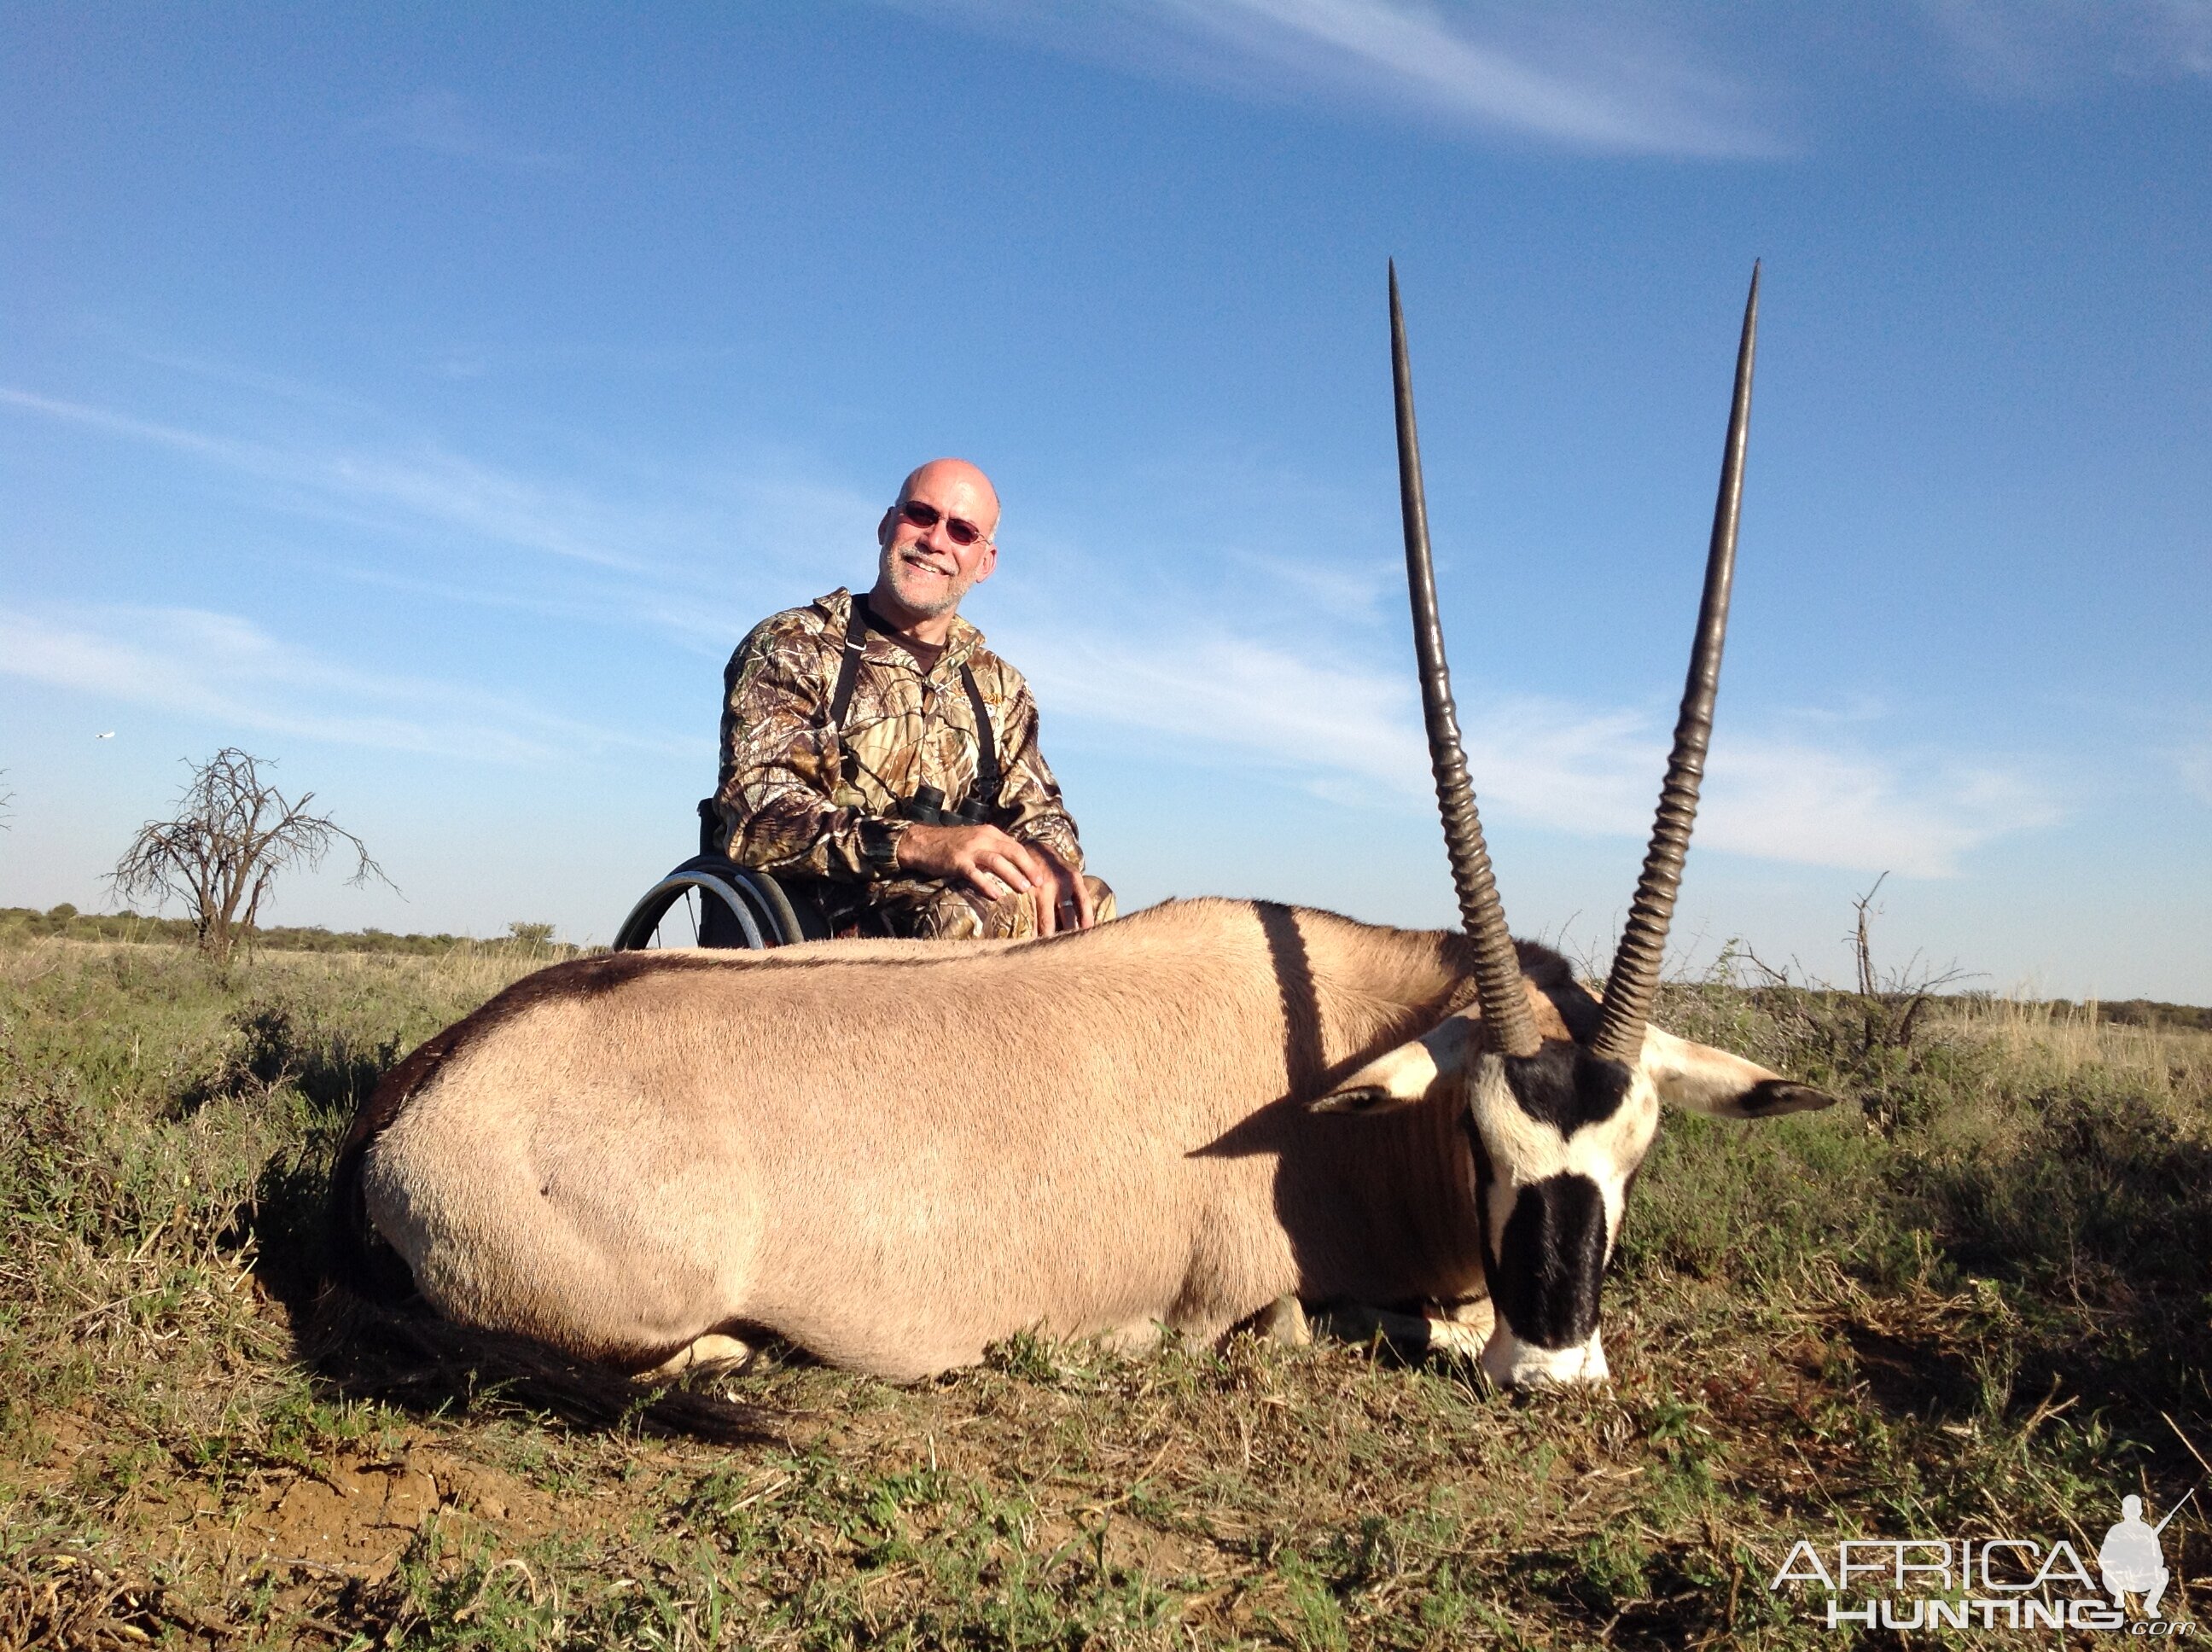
1634	983
1497	966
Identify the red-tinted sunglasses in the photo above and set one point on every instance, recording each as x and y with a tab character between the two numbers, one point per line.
959	529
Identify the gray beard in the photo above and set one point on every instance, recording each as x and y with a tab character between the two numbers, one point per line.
889	567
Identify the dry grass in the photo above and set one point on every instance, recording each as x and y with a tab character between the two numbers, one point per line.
1968	1300
469	972
2067	1042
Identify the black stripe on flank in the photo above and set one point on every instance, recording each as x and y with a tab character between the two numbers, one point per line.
1294	980
1552	1262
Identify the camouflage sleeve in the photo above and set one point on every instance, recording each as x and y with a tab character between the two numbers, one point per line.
1029	796
779	764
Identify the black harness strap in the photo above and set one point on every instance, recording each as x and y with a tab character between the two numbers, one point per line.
987	778
848	668
986	744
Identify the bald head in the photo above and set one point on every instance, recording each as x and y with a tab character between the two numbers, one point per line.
929	564
943	475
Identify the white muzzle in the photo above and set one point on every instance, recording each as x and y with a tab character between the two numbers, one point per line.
1516	1364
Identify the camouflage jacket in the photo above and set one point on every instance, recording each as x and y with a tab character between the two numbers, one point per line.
788	798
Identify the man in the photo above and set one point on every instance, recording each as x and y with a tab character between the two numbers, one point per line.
847	724
2131	1558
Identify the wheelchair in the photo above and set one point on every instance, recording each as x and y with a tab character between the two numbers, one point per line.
711	901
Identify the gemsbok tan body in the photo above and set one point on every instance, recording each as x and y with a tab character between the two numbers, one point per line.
893	1162
892	1154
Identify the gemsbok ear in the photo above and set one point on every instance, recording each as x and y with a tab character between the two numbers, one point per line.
1706	1080
1399	1077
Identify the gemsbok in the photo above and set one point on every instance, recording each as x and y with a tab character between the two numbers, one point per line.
891	1154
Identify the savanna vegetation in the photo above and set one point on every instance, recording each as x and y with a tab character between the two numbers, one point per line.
1971	1301
19	925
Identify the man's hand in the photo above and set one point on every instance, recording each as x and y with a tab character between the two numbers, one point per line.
994	865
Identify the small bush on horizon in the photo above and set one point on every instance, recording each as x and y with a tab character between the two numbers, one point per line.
21	923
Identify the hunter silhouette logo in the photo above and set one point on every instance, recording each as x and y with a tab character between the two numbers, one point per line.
1994	1583
2131	1558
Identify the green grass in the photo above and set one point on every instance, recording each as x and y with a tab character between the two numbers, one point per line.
19	926
1973	1299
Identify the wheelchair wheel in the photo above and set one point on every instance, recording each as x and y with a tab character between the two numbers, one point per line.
692	906
710	901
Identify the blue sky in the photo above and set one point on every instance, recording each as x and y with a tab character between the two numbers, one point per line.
428	398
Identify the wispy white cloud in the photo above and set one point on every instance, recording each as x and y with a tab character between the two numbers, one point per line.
1234	694
1342	586
256	383
1587	770
1606	79
1269	692
123	424
1611	76
2194	764
703	540
691	554
1917	814
2042	48
2179	33
228	670
443	122
427	482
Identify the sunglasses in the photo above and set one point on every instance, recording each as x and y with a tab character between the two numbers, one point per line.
960	531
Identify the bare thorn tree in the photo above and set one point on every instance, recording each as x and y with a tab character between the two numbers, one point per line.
234	832
1862	941
1892	1000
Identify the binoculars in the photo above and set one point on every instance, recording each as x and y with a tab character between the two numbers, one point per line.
927	807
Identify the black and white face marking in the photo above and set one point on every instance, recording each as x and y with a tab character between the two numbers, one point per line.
1556	1138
